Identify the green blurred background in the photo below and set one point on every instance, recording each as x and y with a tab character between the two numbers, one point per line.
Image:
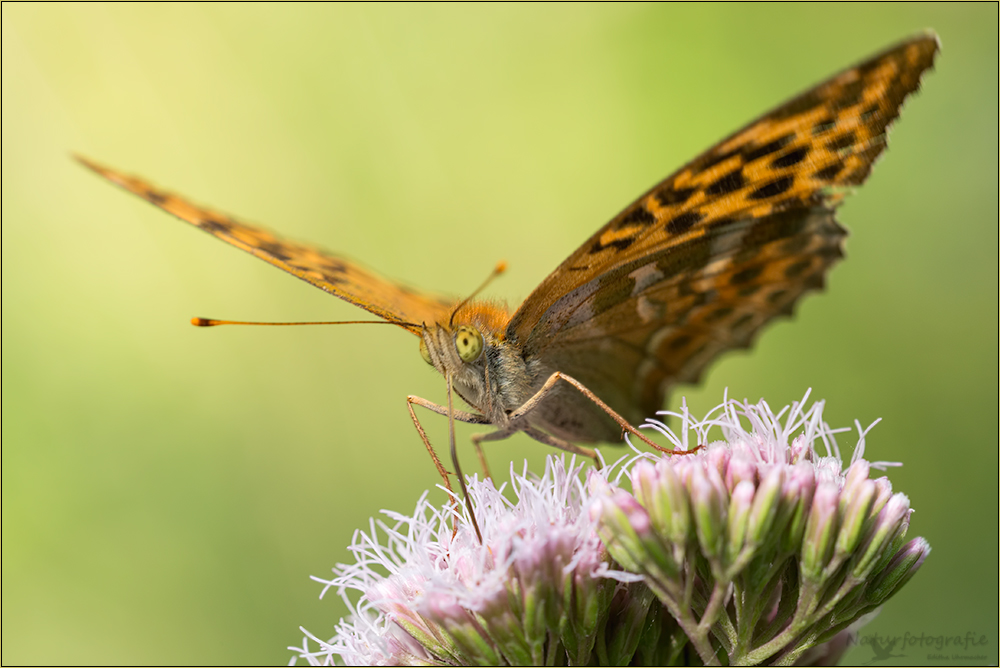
167	491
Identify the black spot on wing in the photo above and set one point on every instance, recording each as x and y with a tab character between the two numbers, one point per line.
333	264
829	172
796	244
794	270
823	126
680	342
768	148
276	251
619	244
683	222
745	275
333	279
639	216
773	189
669	196
791	158
154	197
718	314
870	112
731	182
213	226
842	141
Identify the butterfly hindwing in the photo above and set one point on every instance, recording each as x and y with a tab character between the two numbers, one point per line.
704	259
336	275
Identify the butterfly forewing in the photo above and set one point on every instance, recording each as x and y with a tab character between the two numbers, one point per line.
709	255
336	275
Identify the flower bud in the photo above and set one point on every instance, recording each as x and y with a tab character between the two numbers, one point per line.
708	506
888	524
898	572
740	503
856	475
796	500
820	531
765	506
672	504
740	469
855	515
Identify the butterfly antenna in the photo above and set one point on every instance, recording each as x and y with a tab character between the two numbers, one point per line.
497	270
211	322
458	468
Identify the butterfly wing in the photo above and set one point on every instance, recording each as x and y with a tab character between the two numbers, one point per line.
336	275
705	258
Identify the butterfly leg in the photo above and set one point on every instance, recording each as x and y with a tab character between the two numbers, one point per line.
539	436
498	435
548	439
535	400
461	416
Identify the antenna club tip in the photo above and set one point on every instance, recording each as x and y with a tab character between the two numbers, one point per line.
201	322
501	266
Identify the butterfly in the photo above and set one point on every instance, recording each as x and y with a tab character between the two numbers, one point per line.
692	268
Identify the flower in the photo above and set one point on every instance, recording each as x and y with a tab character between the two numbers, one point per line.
762	546
758	548
538	586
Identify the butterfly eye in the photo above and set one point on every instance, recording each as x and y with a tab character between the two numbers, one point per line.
468	343
426	354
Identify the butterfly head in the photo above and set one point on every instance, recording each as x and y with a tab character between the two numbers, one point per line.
453	347
459	352
471	349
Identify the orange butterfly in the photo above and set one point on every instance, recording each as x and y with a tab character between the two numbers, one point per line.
692	268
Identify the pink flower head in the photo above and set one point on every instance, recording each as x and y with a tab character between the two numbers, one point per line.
763	545
765	542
